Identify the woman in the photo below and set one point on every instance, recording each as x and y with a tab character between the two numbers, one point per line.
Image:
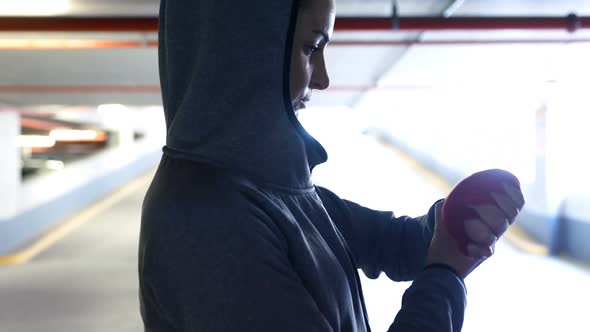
234	236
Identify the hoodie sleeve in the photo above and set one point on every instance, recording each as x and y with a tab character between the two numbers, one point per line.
435	302
379	241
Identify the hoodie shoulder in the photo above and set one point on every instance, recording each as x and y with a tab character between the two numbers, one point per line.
199	198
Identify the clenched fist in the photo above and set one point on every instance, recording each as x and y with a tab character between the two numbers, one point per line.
477	212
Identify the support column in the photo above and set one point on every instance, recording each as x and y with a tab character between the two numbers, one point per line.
10	170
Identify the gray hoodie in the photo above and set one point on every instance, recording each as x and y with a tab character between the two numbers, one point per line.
234	235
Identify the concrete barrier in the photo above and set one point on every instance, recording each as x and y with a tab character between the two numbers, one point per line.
561	235
45	201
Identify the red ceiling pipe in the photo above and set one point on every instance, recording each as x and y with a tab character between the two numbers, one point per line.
78	24
36	89
135	24
570	23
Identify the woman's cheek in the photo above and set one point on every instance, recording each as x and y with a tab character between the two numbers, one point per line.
300	77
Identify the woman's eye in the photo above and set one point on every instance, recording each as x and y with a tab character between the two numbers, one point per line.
309	50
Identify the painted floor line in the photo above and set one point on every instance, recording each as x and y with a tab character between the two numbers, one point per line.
72	223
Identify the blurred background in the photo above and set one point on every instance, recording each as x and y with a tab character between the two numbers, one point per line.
421	96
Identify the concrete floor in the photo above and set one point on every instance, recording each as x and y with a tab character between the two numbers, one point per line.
88	281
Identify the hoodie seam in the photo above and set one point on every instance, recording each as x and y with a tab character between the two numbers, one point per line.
289	191
173	154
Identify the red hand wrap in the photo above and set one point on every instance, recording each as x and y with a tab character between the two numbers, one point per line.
472	190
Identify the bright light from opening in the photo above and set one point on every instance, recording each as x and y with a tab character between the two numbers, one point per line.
111	108
153	109
73	135
116	116
35	141
55	165
34	7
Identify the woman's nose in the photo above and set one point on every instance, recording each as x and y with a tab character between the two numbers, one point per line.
320	79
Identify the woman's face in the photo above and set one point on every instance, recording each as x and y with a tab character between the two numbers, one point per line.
315	25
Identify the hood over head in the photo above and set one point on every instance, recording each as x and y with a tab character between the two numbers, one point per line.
224	73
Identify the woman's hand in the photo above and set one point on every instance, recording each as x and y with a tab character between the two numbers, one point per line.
482	233
493	221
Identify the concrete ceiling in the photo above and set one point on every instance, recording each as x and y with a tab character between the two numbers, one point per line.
129	75
150	7
524	7
345	7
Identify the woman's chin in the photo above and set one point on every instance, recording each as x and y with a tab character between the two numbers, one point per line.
298	105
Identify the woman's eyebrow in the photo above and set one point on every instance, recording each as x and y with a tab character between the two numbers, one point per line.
323	34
